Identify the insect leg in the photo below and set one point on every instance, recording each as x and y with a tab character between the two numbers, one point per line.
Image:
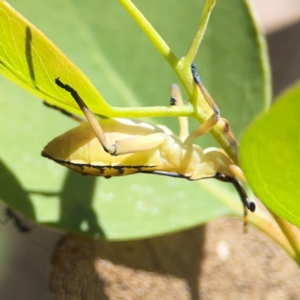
111	149
125	146
139	143
223	163
176	99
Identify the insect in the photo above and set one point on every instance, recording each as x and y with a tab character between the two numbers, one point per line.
118	147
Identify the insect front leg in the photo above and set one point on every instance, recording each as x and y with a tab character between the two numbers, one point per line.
125	146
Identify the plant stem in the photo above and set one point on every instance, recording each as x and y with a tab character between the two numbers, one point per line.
152	34
291	232
190	56
278	230
152	111
200	109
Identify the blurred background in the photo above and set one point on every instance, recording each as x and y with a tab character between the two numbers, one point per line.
25	264
280	20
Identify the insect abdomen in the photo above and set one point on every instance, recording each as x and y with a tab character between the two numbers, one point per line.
79	150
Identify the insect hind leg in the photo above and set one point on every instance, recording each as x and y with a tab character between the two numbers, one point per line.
111	149
125	146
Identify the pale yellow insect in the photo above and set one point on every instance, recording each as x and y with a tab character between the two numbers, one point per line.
118	147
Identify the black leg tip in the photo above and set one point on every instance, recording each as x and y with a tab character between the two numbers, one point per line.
195	75
173	101
251	206
59	83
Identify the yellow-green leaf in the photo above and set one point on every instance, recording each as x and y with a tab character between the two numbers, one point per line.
270	156
29	58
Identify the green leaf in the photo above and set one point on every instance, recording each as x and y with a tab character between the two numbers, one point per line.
103	40
33	61
270	156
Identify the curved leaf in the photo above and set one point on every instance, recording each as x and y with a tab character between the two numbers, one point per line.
28	57
104	41
270	156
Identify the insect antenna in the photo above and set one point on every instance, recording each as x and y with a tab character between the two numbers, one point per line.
205	92
248	205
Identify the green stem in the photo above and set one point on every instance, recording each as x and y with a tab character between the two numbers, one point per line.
190	56
200	110
278	230
291	232
152	111
151	33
